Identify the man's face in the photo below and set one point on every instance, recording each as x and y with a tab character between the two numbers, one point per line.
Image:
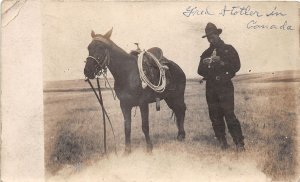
213	39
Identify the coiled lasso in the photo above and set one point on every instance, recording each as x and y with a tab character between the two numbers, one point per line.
161	86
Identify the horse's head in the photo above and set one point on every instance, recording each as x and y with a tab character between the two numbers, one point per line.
99	55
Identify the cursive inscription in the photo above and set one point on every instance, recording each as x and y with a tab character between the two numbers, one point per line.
240	10
253	24
193	11
246	11
275	13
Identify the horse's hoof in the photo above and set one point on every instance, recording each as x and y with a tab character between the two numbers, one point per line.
127	151
180	137
149	148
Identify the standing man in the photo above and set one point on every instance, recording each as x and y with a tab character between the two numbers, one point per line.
218	65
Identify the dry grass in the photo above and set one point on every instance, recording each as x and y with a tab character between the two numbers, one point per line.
73	128
268	115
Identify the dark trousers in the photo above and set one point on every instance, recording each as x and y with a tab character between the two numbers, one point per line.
220	100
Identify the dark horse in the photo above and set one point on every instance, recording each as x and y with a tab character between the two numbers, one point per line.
128	87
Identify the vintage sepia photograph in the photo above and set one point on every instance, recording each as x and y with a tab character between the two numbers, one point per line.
173	91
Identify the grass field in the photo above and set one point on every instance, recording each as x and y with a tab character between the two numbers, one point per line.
266	105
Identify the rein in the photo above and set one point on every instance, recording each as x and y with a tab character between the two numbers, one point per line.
104	113
161	86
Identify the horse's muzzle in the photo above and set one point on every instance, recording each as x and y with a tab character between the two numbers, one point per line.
89	74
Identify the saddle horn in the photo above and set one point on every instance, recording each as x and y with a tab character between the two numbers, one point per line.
138	47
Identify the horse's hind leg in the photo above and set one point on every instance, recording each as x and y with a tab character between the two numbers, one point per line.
145	125
126	110
178	106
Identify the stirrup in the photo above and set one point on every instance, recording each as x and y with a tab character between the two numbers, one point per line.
157	104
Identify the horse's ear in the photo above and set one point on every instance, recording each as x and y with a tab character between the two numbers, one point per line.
93	34
108	34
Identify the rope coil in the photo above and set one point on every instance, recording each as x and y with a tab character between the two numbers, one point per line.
161	86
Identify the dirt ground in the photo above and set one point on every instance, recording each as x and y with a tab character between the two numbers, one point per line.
266	109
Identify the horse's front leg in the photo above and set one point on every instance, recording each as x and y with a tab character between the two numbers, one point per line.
126	110
145	125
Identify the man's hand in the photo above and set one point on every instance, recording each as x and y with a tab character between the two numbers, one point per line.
217	59
207	61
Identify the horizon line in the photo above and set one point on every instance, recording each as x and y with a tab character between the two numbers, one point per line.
195	77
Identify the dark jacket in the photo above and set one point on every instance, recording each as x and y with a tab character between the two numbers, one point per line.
218	71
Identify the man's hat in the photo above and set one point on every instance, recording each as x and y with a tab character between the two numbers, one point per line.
210	29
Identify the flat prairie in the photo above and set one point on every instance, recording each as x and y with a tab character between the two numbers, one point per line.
265	103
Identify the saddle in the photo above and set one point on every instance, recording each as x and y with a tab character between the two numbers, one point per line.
151	70
157	52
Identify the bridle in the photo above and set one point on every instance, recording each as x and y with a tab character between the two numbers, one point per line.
101	66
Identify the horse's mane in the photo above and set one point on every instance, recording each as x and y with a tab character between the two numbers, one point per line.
111	44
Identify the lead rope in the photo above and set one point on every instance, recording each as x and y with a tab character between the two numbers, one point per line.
161	86
104	113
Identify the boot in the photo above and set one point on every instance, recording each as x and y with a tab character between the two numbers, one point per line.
240	147
223	143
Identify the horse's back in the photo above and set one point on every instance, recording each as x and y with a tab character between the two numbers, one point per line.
176	72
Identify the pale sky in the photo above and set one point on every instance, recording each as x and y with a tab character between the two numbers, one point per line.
67	26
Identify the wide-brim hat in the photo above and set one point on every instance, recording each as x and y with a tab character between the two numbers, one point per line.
211	29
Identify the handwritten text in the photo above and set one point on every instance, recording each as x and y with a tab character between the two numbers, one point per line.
193	11
245	11
255	25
